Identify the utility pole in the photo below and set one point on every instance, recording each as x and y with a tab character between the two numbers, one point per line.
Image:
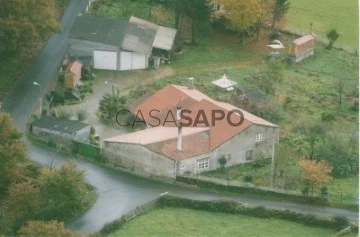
272	161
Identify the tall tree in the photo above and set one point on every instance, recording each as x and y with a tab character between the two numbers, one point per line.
280	8
23	23
241	14
315	172
198	11
14	164
312	132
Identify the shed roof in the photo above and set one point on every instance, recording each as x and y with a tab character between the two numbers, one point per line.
74	67
98	29
303	39
139	36
164	38
59	124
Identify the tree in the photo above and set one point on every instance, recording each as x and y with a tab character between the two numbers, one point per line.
110	105
332	36
64	192
14	164
24	24
315	172
198	11
23	204
266	8
312	133
241	14
340	149
280	8
50	228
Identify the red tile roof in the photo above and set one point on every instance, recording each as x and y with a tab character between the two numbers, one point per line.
163	106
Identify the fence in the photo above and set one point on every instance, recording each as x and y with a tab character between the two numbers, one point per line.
87	150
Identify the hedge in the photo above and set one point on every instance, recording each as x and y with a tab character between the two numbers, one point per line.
337	223
252	191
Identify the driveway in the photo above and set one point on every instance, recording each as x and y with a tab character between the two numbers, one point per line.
122	81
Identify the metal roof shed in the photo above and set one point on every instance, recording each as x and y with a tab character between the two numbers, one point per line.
164	38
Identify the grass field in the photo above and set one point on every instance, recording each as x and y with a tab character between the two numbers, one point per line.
326	14
183	222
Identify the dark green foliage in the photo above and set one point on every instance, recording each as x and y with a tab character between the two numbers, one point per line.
332	36
233	207
58	97
110	105
248	178
327	117
280	8
61	79
342	153
222	161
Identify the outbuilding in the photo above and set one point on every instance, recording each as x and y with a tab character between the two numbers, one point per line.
302	48
119	44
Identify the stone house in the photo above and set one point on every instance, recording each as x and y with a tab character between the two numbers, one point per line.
61	131
172	147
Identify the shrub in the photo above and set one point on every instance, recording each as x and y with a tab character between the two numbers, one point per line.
248	178
81	114
63	113
59	97
340	222
222	161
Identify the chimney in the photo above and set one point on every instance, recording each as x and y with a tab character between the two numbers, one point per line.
178	111
179	141
191	83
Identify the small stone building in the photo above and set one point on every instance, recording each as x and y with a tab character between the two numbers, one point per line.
61	131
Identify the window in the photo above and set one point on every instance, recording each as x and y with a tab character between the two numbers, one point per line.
182	166
259	137
249	155
203	164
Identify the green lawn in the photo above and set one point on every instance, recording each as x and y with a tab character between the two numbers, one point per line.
326	14
184	222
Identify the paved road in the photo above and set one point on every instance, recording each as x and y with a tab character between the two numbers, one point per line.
117	193
22	101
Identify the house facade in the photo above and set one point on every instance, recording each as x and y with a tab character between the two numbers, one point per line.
118	44
177	147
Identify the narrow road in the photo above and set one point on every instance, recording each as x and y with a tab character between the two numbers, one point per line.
117	193
22	101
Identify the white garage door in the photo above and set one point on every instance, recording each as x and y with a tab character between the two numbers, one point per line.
138	61
125	61
105	60
131	61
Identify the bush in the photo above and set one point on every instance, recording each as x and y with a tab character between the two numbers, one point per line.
248	178
340	222
63	113
58	97
222	161
81	114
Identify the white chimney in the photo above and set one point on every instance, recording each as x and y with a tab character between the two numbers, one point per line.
191	83
178	112
179	141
